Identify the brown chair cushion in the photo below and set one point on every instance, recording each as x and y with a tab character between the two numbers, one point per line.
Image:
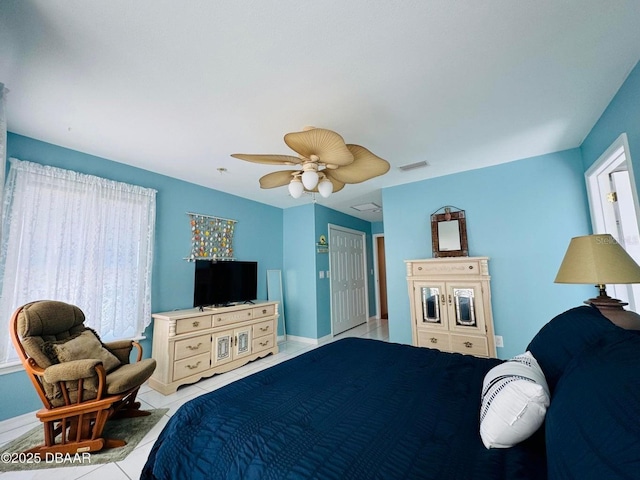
129	376
85	345
47	321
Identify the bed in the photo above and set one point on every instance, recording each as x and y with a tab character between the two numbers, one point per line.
365	409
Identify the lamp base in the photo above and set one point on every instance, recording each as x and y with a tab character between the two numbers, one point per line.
613	310
605	301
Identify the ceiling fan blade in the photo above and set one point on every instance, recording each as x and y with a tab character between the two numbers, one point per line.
365	166
277	179
268	159
327	145
337	184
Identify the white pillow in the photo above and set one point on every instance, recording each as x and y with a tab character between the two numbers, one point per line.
515	397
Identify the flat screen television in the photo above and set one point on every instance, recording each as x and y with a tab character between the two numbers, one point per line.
220	283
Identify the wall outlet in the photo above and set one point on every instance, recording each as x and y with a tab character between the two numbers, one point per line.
499	342
321	273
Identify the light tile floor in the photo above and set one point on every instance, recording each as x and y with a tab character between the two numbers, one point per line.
131	467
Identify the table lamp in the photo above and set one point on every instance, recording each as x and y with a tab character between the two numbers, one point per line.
600	260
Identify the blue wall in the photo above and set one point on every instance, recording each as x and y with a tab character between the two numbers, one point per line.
307	299
521	214
299	271
258	236
325	216
621	116
377	227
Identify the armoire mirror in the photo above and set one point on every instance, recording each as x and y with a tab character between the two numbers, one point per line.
449	233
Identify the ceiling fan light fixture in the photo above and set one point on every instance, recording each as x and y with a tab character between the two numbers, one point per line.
325	187
310	179
296	188
322	156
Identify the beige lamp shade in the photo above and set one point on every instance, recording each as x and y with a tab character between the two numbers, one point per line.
597	260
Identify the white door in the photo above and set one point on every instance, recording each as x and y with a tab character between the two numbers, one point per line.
614	208
348	279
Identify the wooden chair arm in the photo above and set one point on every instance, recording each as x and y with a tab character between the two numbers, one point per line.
139	348
33	367
65	411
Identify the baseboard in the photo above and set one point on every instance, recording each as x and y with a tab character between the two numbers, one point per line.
314	341
311	341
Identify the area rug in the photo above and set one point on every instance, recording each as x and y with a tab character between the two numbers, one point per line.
132	430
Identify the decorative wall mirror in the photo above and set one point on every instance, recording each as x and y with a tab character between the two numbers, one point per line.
449	232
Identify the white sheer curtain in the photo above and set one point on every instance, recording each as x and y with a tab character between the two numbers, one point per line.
80	239
3	137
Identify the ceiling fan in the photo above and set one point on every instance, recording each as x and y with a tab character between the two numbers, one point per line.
325	163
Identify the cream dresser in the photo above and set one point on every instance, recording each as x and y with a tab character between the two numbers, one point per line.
191	344
450	302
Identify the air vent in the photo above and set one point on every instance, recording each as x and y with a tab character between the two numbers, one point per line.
413	166
367	207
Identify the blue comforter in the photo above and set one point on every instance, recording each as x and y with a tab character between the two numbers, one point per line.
353	409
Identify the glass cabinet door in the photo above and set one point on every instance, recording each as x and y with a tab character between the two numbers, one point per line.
465	308
431	304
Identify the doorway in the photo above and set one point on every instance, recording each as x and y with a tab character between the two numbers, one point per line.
613	201
348	281
380	275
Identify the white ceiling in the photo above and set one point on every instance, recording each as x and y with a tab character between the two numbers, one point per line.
177	86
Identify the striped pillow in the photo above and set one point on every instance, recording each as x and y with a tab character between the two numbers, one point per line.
515	397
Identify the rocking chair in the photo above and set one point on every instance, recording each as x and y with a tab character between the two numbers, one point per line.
81	381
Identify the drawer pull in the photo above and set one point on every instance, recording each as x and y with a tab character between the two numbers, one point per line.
192	367
264	311
433	340
196	324
248	314
192	348
264	344
419	268
264	329
468	344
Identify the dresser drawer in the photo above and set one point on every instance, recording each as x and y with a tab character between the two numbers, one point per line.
262	343
463	267
221	319
186	325
469	344
265	311
432	339
192	346
191	366
263	328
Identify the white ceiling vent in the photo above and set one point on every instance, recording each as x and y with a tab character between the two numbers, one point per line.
367	207
413	166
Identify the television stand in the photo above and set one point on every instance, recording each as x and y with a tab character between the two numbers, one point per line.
189	345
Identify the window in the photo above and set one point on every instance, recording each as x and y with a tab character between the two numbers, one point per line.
79	239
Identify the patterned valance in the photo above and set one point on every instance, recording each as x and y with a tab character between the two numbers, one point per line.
211	237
